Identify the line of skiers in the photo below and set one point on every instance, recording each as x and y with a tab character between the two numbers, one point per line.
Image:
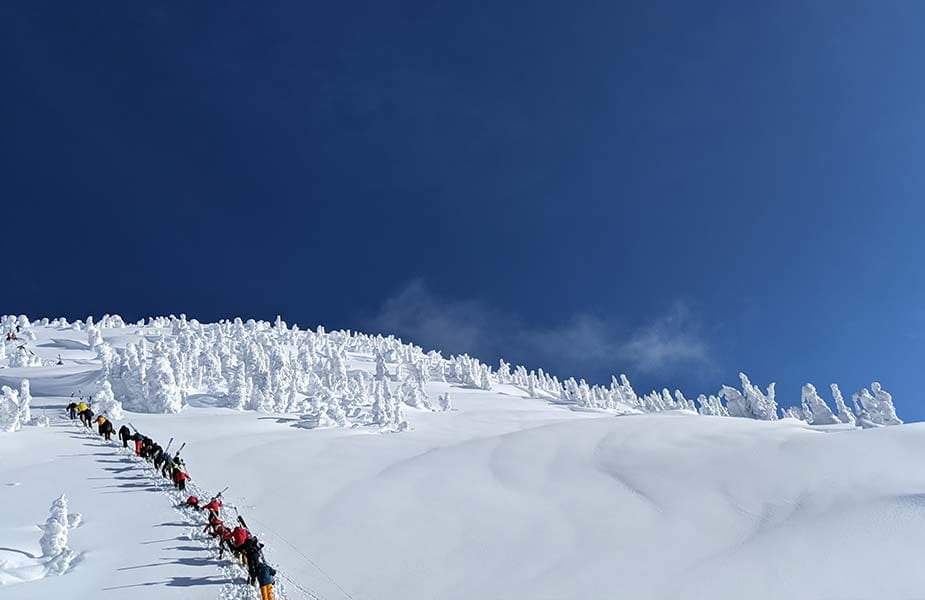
237	540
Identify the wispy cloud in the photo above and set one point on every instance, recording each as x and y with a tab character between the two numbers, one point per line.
583	345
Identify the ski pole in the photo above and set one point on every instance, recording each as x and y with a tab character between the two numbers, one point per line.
168	446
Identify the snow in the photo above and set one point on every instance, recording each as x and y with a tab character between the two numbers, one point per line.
504	496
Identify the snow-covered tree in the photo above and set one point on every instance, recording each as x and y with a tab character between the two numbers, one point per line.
238	393
55	553
815	410
875	409
25	402
163	393
504	372
751	403
844	413
94	336
484	377
712	406
794	412
21	356
886	411
105	402
10	412
382	371
412	393
381	413
531	385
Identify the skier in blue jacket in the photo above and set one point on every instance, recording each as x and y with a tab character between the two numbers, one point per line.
265	578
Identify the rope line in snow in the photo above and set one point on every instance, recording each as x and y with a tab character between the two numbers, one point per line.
307	559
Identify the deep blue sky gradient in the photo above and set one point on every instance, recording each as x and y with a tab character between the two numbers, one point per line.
737	185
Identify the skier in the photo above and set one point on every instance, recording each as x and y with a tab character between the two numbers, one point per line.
239	536
214	507
72	410
157	454
266	578
125	434
253	557
147	448
213	525
105	427
86	417
180	478
139	440
224	542
176	466
167	469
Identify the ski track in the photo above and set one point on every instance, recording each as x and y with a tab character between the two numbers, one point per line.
234	573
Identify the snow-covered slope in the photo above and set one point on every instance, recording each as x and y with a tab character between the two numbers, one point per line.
503	497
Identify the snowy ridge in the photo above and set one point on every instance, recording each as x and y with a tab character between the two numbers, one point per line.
161	363
503	496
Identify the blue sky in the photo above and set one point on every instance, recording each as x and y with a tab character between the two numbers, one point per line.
670	190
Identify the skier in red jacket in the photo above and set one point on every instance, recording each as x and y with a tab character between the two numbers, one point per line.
179	479
214	506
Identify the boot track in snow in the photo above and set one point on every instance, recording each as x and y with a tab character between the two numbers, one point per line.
235	574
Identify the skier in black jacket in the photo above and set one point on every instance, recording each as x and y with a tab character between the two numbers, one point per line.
157	455
125	434
86	417
105	427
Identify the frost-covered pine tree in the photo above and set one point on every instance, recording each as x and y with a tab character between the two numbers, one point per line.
762	405
815	408
20	356
210	366
844	413
484	377
504	372
711	406
381	411
106	403
886	412
382	371
794	412
238	393
10	414
337	414
163	393
25	402
94	336
412	393
751	402
736	405
55	553
109	360
531	385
